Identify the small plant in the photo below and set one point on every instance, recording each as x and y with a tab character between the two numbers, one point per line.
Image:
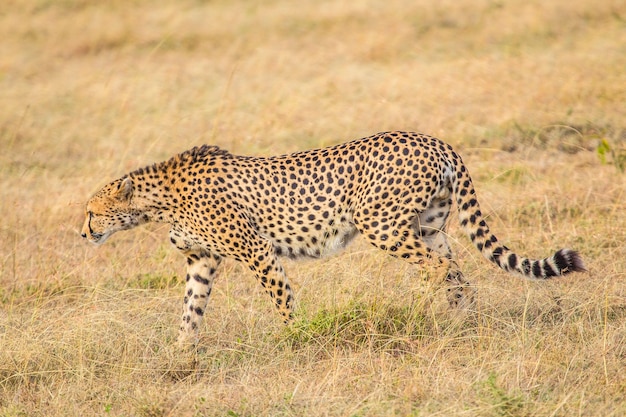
617	156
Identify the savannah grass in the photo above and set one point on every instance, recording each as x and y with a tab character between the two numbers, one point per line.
528	92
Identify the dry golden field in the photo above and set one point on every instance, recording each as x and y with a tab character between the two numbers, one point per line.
531	93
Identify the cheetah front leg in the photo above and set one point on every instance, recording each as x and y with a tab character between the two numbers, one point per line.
271	275
201	269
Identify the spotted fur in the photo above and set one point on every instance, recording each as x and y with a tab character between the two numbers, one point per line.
395	189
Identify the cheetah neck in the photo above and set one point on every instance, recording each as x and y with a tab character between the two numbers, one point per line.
162	192
154	197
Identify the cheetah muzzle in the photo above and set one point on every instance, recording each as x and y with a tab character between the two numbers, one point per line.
395	189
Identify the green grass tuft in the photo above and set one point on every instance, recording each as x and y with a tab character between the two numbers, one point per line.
382	326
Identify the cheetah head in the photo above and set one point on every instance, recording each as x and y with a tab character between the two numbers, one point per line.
110	210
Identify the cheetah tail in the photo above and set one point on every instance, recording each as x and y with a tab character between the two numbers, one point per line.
562	262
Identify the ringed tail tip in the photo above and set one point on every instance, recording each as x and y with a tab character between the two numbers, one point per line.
568	261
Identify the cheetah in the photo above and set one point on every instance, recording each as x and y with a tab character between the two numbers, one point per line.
395	189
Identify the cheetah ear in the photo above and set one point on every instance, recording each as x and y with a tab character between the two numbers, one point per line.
125	190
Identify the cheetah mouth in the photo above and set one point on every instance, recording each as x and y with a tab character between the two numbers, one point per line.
97	238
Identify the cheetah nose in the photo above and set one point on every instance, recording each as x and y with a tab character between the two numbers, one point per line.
84	235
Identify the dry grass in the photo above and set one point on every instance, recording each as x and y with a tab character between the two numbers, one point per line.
525	90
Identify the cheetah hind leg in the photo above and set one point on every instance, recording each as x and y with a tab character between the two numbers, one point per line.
459	293
431	225
407	244
201	269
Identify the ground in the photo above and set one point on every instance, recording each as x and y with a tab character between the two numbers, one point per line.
530	93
